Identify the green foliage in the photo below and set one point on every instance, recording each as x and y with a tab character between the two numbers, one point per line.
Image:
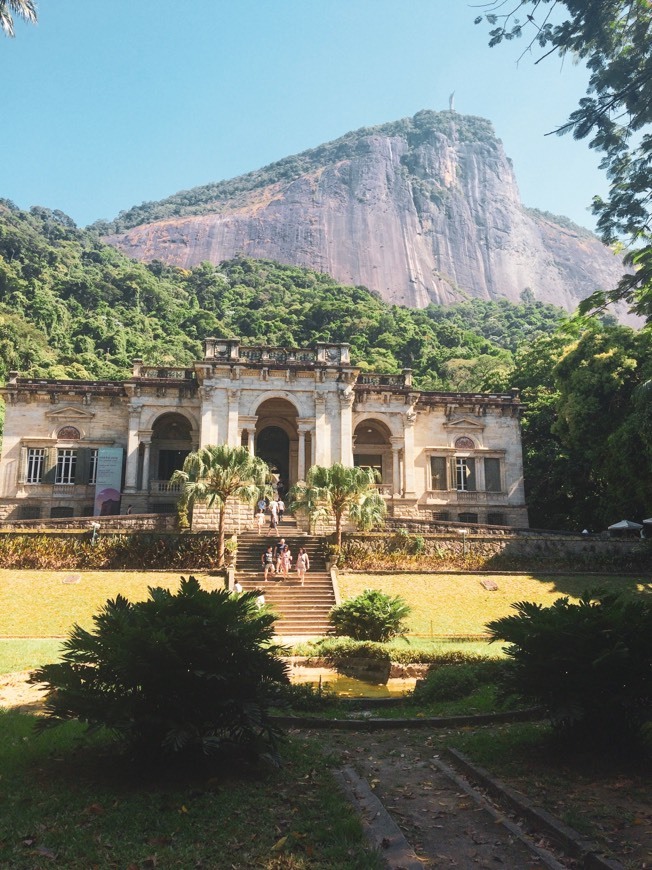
373	615
588	663
587	435
144	550
72	307
181	671
614	39
338	492
219	474
450	682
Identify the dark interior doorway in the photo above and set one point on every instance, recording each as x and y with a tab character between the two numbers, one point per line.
170	461
273	445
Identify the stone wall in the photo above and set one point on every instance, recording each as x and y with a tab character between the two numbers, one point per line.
116	524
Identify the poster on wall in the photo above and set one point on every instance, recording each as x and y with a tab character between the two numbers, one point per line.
108	481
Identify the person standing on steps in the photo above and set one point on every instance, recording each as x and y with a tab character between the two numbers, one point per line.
260	521
281	508
267	560
303	565
273	515
285	561
278	551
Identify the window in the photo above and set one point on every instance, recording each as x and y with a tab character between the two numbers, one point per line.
496	519
66	466
35	463
61	513
464	474
441	515
28	512
92	466
467	518
492	481
438	473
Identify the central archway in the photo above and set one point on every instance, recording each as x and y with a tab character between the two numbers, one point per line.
274	447
277	438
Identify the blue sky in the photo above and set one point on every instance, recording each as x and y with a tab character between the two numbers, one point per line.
106	105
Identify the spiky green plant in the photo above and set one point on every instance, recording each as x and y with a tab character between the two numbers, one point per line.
188	670
337	492
588	662
218	474
373	615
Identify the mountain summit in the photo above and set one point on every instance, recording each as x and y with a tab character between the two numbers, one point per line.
425	209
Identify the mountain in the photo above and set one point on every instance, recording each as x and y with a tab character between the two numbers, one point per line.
425	209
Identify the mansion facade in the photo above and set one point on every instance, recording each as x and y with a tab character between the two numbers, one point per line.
439	455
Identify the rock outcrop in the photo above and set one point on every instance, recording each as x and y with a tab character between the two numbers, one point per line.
423	210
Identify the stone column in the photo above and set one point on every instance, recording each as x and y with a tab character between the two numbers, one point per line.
313	446
147	443
321	448
131	469
248	425
396	443
301	457
408	453
347	397
232	426
206	434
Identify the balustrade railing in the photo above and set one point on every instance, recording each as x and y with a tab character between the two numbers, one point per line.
164	486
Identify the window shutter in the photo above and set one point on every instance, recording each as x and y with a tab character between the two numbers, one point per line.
470	477
82	465
438	472
50	465
22	465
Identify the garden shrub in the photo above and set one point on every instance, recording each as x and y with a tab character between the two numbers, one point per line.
191	670
588	663
372	615
450	682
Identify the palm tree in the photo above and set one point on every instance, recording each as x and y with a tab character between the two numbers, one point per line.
339	491
217	474
9	8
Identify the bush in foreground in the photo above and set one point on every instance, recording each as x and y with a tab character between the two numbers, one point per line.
192	670
373	615
588	663
452	681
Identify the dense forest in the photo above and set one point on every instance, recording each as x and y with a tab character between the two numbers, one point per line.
72	307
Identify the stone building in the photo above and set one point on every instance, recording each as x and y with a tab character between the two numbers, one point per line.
440	455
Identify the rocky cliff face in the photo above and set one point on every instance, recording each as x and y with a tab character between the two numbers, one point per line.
423	210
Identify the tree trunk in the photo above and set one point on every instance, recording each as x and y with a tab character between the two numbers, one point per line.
338	529
220	536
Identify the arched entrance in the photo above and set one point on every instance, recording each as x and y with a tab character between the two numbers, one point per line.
277	438
171	443
372	449
273	445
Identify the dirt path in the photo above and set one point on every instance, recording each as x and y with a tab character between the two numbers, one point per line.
442	823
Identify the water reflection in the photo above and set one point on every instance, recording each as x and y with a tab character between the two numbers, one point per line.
348	687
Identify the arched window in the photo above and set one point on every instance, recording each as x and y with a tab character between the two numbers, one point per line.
464	443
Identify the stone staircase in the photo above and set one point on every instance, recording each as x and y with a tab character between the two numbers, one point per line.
303	610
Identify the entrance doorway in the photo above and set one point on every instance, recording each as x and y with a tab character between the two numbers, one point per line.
273	445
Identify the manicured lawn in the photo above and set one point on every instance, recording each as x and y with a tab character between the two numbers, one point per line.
86	807
42	604
452	604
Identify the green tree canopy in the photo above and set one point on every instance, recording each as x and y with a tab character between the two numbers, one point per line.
614	39
219	474
338	492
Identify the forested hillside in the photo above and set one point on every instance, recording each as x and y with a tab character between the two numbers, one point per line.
72	307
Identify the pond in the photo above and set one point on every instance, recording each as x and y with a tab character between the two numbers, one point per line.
349	687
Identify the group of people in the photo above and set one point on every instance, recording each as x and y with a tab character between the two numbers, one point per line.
276	509
278	560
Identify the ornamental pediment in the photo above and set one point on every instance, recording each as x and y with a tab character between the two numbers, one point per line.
464	423
70	412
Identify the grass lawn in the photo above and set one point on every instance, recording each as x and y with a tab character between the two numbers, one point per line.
455	604
81	807
41	604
